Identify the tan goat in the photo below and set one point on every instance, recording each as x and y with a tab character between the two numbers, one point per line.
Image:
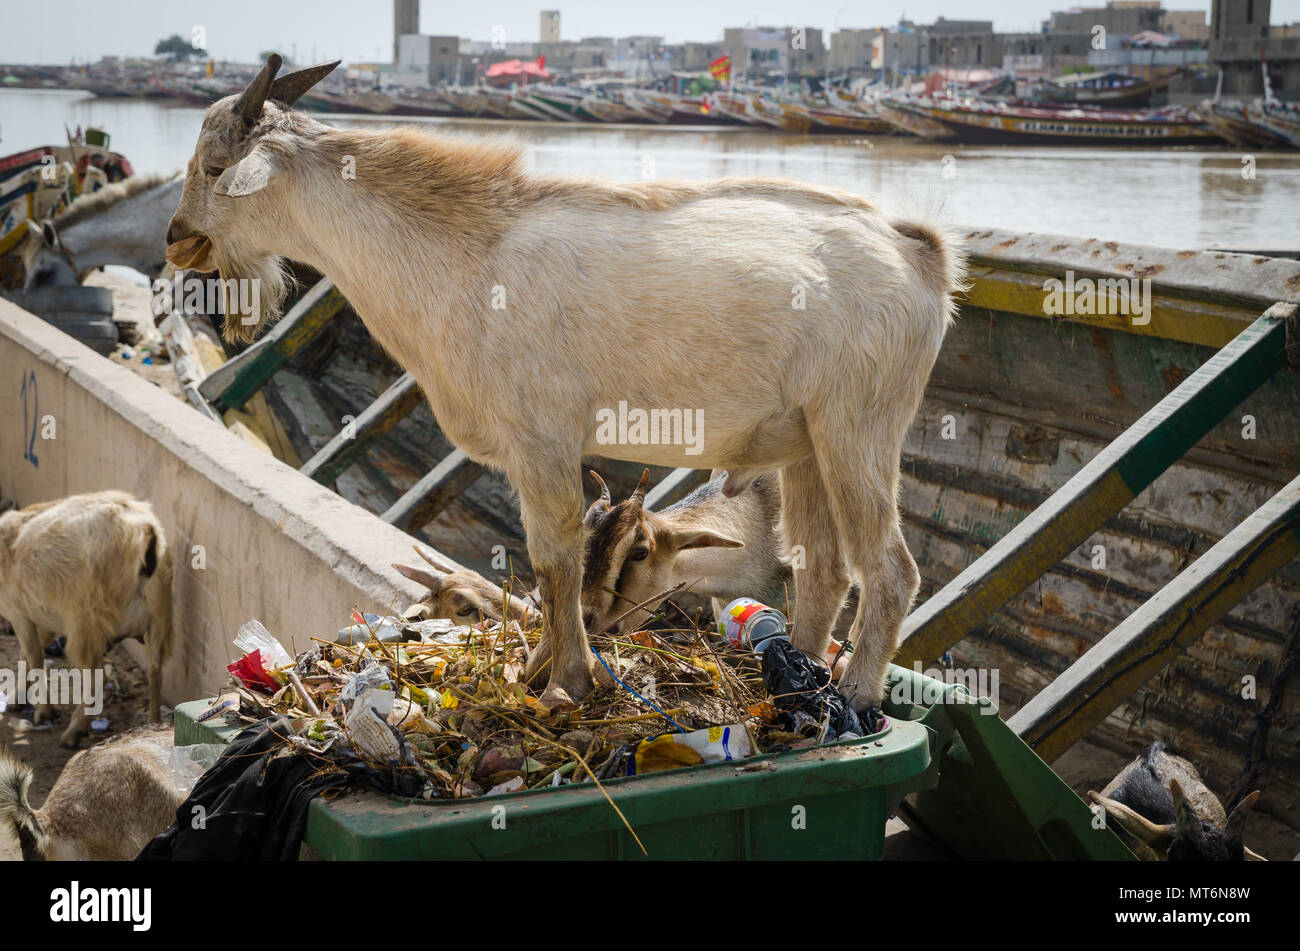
106	805
464	596
96	569
797	324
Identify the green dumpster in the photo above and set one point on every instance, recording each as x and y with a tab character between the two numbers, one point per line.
947	763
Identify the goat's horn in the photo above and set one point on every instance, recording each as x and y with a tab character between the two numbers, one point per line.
432	582
604	489
251	100
639	495
1237	818
441	566
1250	855
1136	824
290	87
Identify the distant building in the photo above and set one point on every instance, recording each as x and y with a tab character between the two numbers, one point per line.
767	50
1120	18
851	49
406	20
1240	38
550	26
963	44
426	60
696	57
640	57
1188	24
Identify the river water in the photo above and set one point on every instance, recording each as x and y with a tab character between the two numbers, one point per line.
1183	198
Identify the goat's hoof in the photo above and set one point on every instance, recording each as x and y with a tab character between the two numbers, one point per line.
557	700
70	741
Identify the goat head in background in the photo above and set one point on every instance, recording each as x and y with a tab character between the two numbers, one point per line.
1165	812
463	596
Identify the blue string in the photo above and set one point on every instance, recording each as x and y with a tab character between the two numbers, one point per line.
619	681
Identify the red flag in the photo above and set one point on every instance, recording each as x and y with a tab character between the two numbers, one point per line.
720	68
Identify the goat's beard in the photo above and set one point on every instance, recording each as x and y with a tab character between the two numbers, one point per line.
253	291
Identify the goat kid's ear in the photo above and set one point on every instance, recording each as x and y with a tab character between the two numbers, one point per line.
684	538
420	576
250	174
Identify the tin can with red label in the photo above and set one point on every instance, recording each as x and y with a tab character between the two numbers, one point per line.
751	625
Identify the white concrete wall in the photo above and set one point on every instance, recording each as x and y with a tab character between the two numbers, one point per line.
276	545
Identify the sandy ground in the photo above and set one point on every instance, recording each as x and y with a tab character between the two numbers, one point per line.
127	707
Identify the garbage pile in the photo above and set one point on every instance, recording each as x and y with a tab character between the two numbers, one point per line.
444	707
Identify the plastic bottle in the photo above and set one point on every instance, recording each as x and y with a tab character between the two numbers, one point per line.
752	625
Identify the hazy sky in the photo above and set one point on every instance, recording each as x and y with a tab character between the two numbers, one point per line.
56	31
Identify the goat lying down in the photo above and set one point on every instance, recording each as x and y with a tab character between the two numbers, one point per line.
799	320
106	805
96	569
1164	811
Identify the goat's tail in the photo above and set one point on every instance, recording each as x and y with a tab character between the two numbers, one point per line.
15	810
938	251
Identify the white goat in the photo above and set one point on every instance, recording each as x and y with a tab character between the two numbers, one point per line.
94	568
799	320
106	805
723	548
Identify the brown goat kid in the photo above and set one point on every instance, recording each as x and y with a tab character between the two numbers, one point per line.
452	252
106	805
722	548
96	569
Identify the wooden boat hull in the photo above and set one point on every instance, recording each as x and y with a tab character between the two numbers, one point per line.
1064	127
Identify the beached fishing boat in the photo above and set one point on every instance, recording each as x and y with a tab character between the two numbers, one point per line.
1278	119
975	121
780	114
733	106
607	110
829	118
1110	90
559	103
1233	122
37	183
682	110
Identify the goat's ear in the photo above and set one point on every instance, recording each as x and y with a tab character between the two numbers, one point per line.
49	236
684	538
250	174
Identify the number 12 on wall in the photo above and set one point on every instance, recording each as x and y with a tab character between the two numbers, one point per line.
30	417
